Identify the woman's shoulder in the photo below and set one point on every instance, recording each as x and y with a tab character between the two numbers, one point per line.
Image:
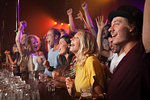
91	58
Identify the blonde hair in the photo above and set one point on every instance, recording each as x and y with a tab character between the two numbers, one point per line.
28	41
88	46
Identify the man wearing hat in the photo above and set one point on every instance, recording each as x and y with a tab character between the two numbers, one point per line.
131	79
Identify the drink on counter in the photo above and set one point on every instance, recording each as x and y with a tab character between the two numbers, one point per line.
86	96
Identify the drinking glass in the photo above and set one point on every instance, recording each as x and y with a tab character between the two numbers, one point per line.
9	95
1	94
86	93
35	95
51	86
19	94
26	95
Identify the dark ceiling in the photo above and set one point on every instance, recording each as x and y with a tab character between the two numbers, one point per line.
57	8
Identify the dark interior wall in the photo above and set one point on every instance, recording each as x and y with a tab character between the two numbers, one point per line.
7	26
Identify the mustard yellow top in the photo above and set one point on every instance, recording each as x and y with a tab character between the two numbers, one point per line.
85	74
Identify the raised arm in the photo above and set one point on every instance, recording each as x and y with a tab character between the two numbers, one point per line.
23	24
80	17
146	26
71	22
88	18
100	25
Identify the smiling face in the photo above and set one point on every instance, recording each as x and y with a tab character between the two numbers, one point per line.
120	31
63	47
75	43
33	43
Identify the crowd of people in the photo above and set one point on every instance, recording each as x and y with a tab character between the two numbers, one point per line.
76	60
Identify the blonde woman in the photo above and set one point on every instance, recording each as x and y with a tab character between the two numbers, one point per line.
89	72
31	45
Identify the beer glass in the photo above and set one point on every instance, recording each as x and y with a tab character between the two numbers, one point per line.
86	93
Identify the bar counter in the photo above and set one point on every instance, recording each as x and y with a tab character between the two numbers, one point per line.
44	94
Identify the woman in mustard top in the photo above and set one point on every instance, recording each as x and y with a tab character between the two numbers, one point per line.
89	72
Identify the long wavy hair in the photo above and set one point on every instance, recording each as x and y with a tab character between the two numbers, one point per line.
28	42
62	59
88	46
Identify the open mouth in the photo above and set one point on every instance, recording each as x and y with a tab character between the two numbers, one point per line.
114	35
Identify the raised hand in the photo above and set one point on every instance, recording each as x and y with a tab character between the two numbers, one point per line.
23	24
79	16
84	6
69	11
100	22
